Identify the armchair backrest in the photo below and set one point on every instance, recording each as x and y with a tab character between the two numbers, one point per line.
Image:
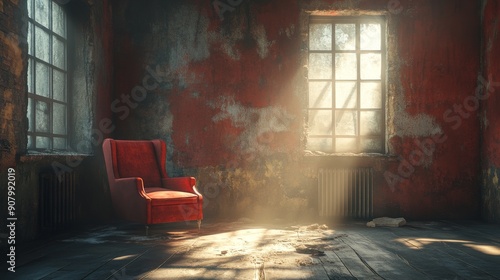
136	158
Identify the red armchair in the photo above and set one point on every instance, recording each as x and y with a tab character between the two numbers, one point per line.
140	189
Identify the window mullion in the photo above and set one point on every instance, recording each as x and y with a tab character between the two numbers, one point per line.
51	78
32	46
383	83
358	85
334	92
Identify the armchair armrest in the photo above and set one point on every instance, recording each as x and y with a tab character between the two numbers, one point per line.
132	187
183	184
130	200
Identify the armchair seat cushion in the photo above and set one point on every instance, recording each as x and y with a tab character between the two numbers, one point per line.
163	196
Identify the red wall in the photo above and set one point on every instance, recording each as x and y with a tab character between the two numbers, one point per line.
438	43
490	117
231	106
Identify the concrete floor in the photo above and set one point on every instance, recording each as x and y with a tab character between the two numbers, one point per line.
247	250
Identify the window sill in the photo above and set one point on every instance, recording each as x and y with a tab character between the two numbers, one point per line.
377	161
32	156
309	153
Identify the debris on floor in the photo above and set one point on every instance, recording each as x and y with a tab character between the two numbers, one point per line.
386	222
304	249
317	226
305	261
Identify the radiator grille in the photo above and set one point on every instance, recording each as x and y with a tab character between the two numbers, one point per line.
345	192
57	200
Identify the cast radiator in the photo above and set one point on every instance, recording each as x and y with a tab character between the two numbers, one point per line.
345	192
57	200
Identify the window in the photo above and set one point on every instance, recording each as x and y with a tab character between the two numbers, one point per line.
346	85
47	77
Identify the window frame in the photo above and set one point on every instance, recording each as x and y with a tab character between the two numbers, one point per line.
50	100
357	20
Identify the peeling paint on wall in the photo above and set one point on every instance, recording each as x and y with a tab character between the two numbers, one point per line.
495	179
490	194
288	31
407	125
243	31
401	122
257	123
259	34
191	40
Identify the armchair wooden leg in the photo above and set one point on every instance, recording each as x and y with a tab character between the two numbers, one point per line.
199	225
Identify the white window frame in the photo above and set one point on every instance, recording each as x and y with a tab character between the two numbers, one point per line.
330	142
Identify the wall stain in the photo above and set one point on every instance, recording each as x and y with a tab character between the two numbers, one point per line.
13	57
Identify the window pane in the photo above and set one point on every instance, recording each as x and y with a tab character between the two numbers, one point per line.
371	66
42	142
58	20
42	79
320	122
371	145
58	53
30	38
371	95
42	12
59	118
370	123
345	145
59	85
30	142
320	37
30	15
345	36
42	116
345	66
30	75
59	143
30	114
320	66
345	122
319	144
345	95
370	36
320	94
42	44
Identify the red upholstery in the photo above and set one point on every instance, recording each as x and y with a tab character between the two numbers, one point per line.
139	186
170	197
138	159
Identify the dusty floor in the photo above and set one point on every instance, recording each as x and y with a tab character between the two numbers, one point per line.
247	250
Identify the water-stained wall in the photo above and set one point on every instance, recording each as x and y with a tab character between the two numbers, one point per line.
225	84
490	117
